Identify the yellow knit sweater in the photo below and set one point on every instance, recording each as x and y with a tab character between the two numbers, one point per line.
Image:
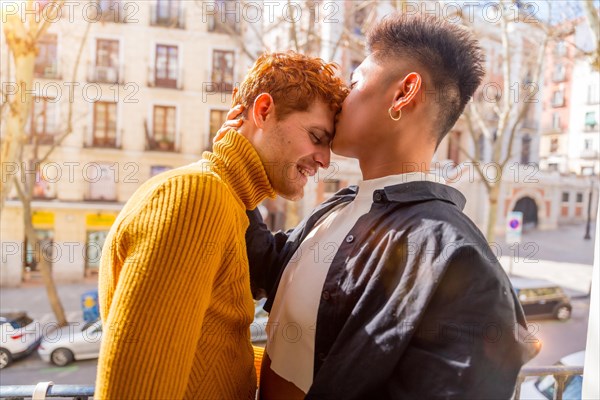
174	285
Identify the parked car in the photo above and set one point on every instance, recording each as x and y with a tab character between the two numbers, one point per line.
20	336
542	388
69	343
542	298
258	329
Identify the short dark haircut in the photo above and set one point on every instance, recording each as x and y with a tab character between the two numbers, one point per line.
449	54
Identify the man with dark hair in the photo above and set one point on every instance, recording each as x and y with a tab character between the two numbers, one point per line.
387	290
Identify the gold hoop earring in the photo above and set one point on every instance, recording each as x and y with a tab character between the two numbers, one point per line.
399	114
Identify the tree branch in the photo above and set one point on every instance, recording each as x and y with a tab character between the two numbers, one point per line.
484	179
69	127
479	120
55	6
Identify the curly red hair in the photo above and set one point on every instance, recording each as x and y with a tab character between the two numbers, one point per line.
295	81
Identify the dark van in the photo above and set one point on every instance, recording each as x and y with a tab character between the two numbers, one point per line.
542	298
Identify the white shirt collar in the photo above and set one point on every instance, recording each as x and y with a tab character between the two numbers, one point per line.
367	187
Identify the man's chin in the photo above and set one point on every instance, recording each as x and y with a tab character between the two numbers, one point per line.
292	196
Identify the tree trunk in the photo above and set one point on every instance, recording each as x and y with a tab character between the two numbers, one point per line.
12	145
493	195
41	251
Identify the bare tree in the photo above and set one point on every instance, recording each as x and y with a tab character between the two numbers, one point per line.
499	120
22	38
593	20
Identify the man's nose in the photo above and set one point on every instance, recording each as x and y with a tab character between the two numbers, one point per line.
323	157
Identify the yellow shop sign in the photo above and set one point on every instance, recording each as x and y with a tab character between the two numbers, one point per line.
100	220
44	218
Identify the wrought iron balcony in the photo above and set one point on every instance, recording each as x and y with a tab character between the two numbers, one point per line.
48	390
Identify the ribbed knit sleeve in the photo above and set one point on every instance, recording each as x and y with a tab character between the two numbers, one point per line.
163	289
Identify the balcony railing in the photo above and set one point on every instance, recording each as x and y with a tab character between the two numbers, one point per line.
154	81
47	71
47	390
560	374
591	127
154	144
103	74
80	392
104	142
589	154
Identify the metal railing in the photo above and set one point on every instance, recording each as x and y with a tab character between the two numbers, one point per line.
47	390
560	374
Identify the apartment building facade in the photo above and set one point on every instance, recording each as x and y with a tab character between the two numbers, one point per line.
153	84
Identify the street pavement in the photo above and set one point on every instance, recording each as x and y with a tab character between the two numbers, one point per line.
561	256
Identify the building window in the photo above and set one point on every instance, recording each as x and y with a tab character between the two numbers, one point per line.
559	73
46	238
112	10
167	13
561	48
222	70
587	171
43	120
43	188
163	128
565	197
556	121
331	185
166	68
525	149
93	251
579	198
217	118
105	124
360	17
593	93
103	182
553	145
590	121
553	167
106	67
454	146
46	62
558	98
588	144
226	17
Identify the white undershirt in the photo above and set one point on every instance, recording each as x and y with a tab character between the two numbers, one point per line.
293	318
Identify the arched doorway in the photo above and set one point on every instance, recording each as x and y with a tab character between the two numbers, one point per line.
529	208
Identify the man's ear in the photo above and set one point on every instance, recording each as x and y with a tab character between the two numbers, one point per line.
263	106
407	90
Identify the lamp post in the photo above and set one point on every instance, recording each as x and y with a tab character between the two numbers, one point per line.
589	213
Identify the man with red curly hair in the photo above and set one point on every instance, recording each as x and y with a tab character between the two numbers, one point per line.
175	298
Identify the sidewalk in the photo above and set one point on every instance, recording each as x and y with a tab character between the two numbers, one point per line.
574	278
33	299
560	256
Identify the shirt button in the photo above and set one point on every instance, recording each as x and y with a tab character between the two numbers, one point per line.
326	295
350	238
377	196
321	356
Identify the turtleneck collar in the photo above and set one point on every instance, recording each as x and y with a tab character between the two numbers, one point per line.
238	164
